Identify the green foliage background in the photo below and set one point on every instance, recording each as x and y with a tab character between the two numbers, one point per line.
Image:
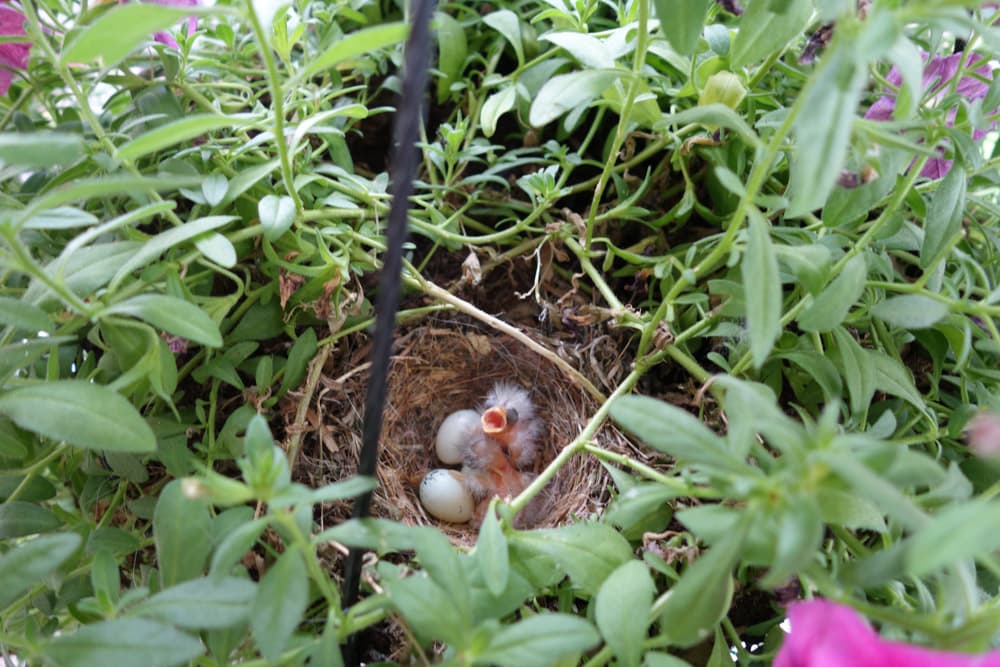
153	199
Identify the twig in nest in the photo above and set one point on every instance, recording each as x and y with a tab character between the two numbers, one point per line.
461	305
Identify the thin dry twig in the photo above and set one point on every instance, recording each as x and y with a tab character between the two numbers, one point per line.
464	306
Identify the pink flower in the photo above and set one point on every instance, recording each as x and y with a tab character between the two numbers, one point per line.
937	80
827	634
13	55
192	22
983	434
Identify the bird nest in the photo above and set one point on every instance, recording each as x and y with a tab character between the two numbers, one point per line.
438	368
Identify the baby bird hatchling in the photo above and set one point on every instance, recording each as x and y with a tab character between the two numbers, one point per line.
496	443
505	444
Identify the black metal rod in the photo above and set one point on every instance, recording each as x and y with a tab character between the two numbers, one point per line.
402	172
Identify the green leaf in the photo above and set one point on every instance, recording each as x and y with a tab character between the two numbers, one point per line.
755	405
23	315
944	215
762	289
18	519
13	446
819	367
588	552
655	659
163	241
800	533
452	52
540	641
31	561
850	205
858	373
15	356
246	179
39	149
91	188
214	188
61	217
123	642
282	598
911	311
296	494
965	530
276	215
507	24
326	651
173	315
302	352
892	377
83	271
182	532
586	49
112	540
715	115
831	306
105	578
200	604
485	605
362	42
702	596
119	30
641	508
875	488
495	106
823	129
492	554
762	31
235	545
681	22
379	535
566	92
217	248
439	558
167	135
622	611
840	508
671	430
428	608
81	413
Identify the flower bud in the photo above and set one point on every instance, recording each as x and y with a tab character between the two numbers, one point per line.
218	489
723	88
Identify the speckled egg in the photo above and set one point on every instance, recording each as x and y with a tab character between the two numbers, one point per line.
444	495
453	437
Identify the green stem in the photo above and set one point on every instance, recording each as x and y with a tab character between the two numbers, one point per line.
40	40
34	469
857	247
28	265
578	444
758	177
277	106
631	91
650	473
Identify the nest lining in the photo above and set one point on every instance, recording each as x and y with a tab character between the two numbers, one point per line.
438	368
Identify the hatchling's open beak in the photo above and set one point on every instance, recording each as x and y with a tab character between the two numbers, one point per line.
494	421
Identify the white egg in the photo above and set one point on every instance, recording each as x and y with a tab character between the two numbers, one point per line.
444	495
453	437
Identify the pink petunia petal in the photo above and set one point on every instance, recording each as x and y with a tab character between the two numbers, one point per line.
13	55
192	22
937	80
827	634
936	167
